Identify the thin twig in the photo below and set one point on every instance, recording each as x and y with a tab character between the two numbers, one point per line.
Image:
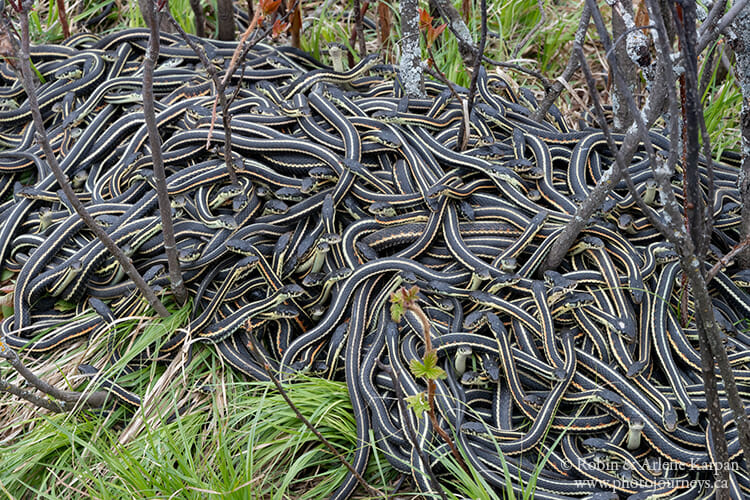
221	85
726	259
218	86
154	140
456	25
693	196
295	13
707	327
630	143
554	91
431	386
599	112
384	29
410	64
532	32
515	67
225	19
741	49
436	73
200	18
463	129
66	400
709	37
359	30
47	404
63	18
709	23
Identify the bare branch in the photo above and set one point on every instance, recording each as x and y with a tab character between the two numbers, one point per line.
741	47
154	140
515	67
533	31
219	86
200	18
63	18
634	54
384	28
466	46
359	30
27	80
294	8
225	19
710	36
709	23
707	328
32	398
726	259
163	24
67	400
694	204
410	429
463	129
599	111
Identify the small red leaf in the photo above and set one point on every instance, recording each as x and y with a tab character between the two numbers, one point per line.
434	33
279	27
269	7
425	20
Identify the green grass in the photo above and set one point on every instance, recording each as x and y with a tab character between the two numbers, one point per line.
722	102
238	440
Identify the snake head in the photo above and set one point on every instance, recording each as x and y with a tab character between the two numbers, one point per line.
608	398
291	291
626	328
283	311
313	279
382	209
480	297
475	319
289	193
669	419
339	274
247	263
241	246
386	137
636	368
594	444
503	279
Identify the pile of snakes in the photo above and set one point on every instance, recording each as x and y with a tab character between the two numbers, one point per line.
585	380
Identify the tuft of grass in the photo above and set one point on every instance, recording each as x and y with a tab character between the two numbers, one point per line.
722	102
233	439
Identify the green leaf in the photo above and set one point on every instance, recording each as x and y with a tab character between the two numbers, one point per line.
401	300
38	74
6	274
427	368
418	403
397	310
430	360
